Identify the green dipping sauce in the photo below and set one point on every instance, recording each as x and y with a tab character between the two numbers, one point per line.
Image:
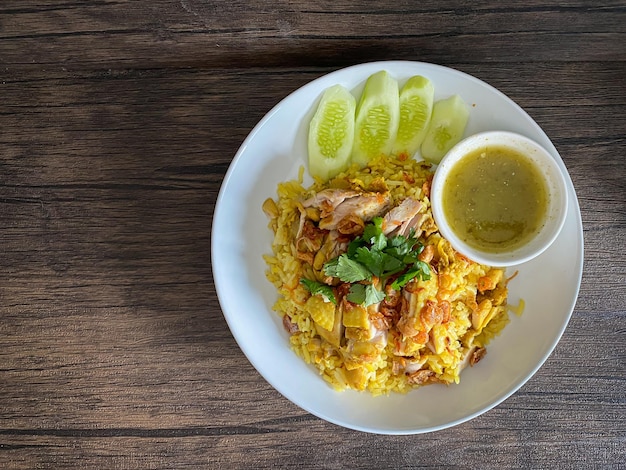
495	199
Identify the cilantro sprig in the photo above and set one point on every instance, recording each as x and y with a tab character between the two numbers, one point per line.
347	269
374	255
365	294
317	288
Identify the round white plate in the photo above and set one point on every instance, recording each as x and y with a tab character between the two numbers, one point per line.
273	152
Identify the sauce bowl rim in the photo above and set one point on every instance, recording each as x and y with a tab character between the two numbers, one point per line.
555	185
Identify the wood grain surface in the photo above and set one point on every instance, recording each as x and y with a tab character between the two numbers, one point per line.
118	120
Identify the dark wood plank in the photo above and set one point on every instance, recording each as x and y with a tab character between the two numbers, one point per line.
193	33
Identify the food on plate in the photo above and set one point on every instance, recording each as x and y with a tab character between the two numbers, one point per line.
331	133
377	118
386	121
495	199
369	291
447	125
416	104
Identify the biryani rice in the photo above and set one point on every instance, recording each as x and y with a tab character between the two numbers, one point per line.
455	279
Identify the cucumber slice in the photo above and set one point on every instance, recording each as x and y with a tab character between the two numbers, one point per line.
416	105
446	128
331	133
377	118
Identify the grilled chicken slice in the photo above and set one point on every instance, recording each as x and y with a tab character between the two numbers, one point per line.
328	199
402	218
337	204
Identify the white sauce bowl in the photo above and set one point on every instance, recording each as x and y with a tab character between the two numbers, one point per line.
555	186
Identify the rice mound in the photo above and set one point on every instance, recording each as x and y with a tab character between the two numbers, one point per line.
476	315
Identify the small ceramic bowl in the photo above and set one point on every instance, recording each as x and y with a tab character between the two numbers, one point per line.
556	197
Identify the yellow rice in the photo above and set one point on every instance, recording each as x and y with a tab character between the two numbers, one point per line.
455	280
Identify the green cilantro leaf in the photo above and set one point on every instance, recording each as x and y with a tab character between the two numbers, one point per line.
392	265
373	254
317	288
365	295
373	295
356	294
379	242
373	229
355	244
372	259
346	269
419	270
424	270
403	279
412	257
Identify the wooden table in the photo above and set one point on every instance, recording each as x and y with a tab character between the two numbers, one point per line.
118	120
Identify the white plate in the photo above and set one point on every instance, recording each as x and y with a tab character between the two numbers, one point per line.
273	152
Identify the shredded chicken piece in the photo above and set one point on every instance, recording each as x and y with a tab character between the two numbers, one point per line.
407	365
337	204
413	365
408	326
397	365
289	326
328	199
402	218
382	320
400	214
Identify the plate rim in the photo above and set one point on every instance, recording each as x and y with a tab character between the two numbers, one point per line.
391	65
